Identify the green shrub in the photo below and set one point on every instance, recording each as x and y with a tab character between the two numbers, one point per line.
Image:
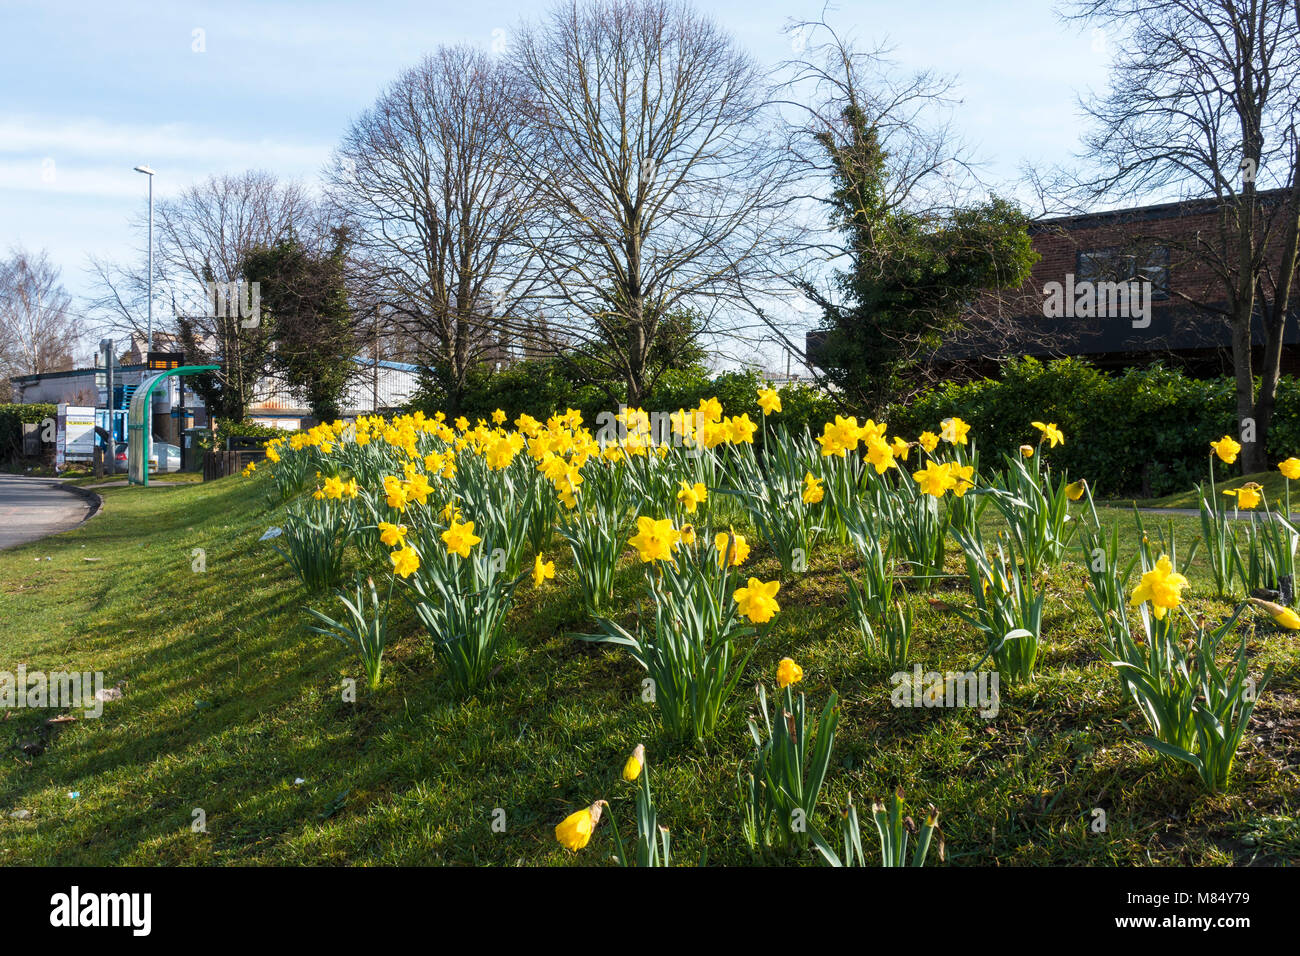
1142	432
12	419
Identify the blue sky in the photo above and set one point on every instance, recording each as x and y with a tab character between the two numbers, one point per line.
88	90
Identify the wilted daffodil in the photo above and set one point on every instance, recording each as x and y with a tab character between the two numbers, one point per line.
655	540
813	492
1226	449
739	548
1050	432
574	831
1290	468
405	562
757	600
1248	495
632	769
1027	451
459	538
769	401
542	570
788	672
1162	586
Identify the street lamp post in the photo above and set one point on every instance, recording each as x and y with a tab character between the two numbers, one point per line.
149	344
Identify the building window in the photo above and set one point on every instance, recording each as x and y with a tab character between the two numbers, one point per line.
1119	264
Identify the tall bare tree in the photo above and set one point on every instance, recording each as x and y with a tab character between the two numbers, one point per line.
1203	102
648	142
424	181
203	235
37	332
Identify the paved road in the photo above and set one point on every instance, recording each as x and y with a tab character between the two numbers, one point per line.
31	508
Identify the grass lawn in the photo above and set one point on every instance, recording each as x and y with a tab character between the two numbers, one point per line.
1272	481
228	700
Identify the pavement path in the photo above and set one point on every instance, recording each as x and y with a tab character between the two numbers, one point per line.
32	508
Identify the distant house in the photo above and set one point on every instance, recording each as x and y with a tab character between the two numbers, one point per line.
378	387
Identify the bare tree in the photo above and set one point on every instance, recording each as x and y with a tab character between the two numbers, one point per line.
661	187
423	179
903	235
203	235
37	332
1203	103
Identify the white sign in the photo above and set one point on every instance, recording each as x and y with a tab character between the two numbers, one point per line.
76	438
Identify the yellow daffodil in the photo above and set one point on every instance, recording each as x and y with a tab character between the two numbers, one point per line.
632	769
498	417
757	600
934	478
954	431
542	571
813	492
1050	432
1076	489
655	540
405	562
691	496
574	831
1290	468
739	548
929	441
392	534
688	534
741	430
396	494
788	672
880	455
1281	615
1027	451
1226	449
1248	495
963	478
459	538
769	400
1162	586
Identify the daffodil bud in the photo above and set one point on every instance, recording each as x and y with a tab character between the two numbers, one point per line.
632	769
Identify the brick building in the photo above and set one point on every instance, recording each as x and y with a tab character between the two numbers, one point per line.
1154	243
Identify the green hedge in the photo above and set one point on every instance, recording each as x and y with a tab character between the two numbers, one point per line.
13	417
1145	431
541	388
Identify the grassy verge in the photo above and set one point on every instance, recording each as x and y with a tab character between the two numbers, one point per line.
229	701
1272	481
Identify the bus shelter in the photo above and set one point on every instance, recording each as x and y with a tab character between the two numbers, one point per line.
139	425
